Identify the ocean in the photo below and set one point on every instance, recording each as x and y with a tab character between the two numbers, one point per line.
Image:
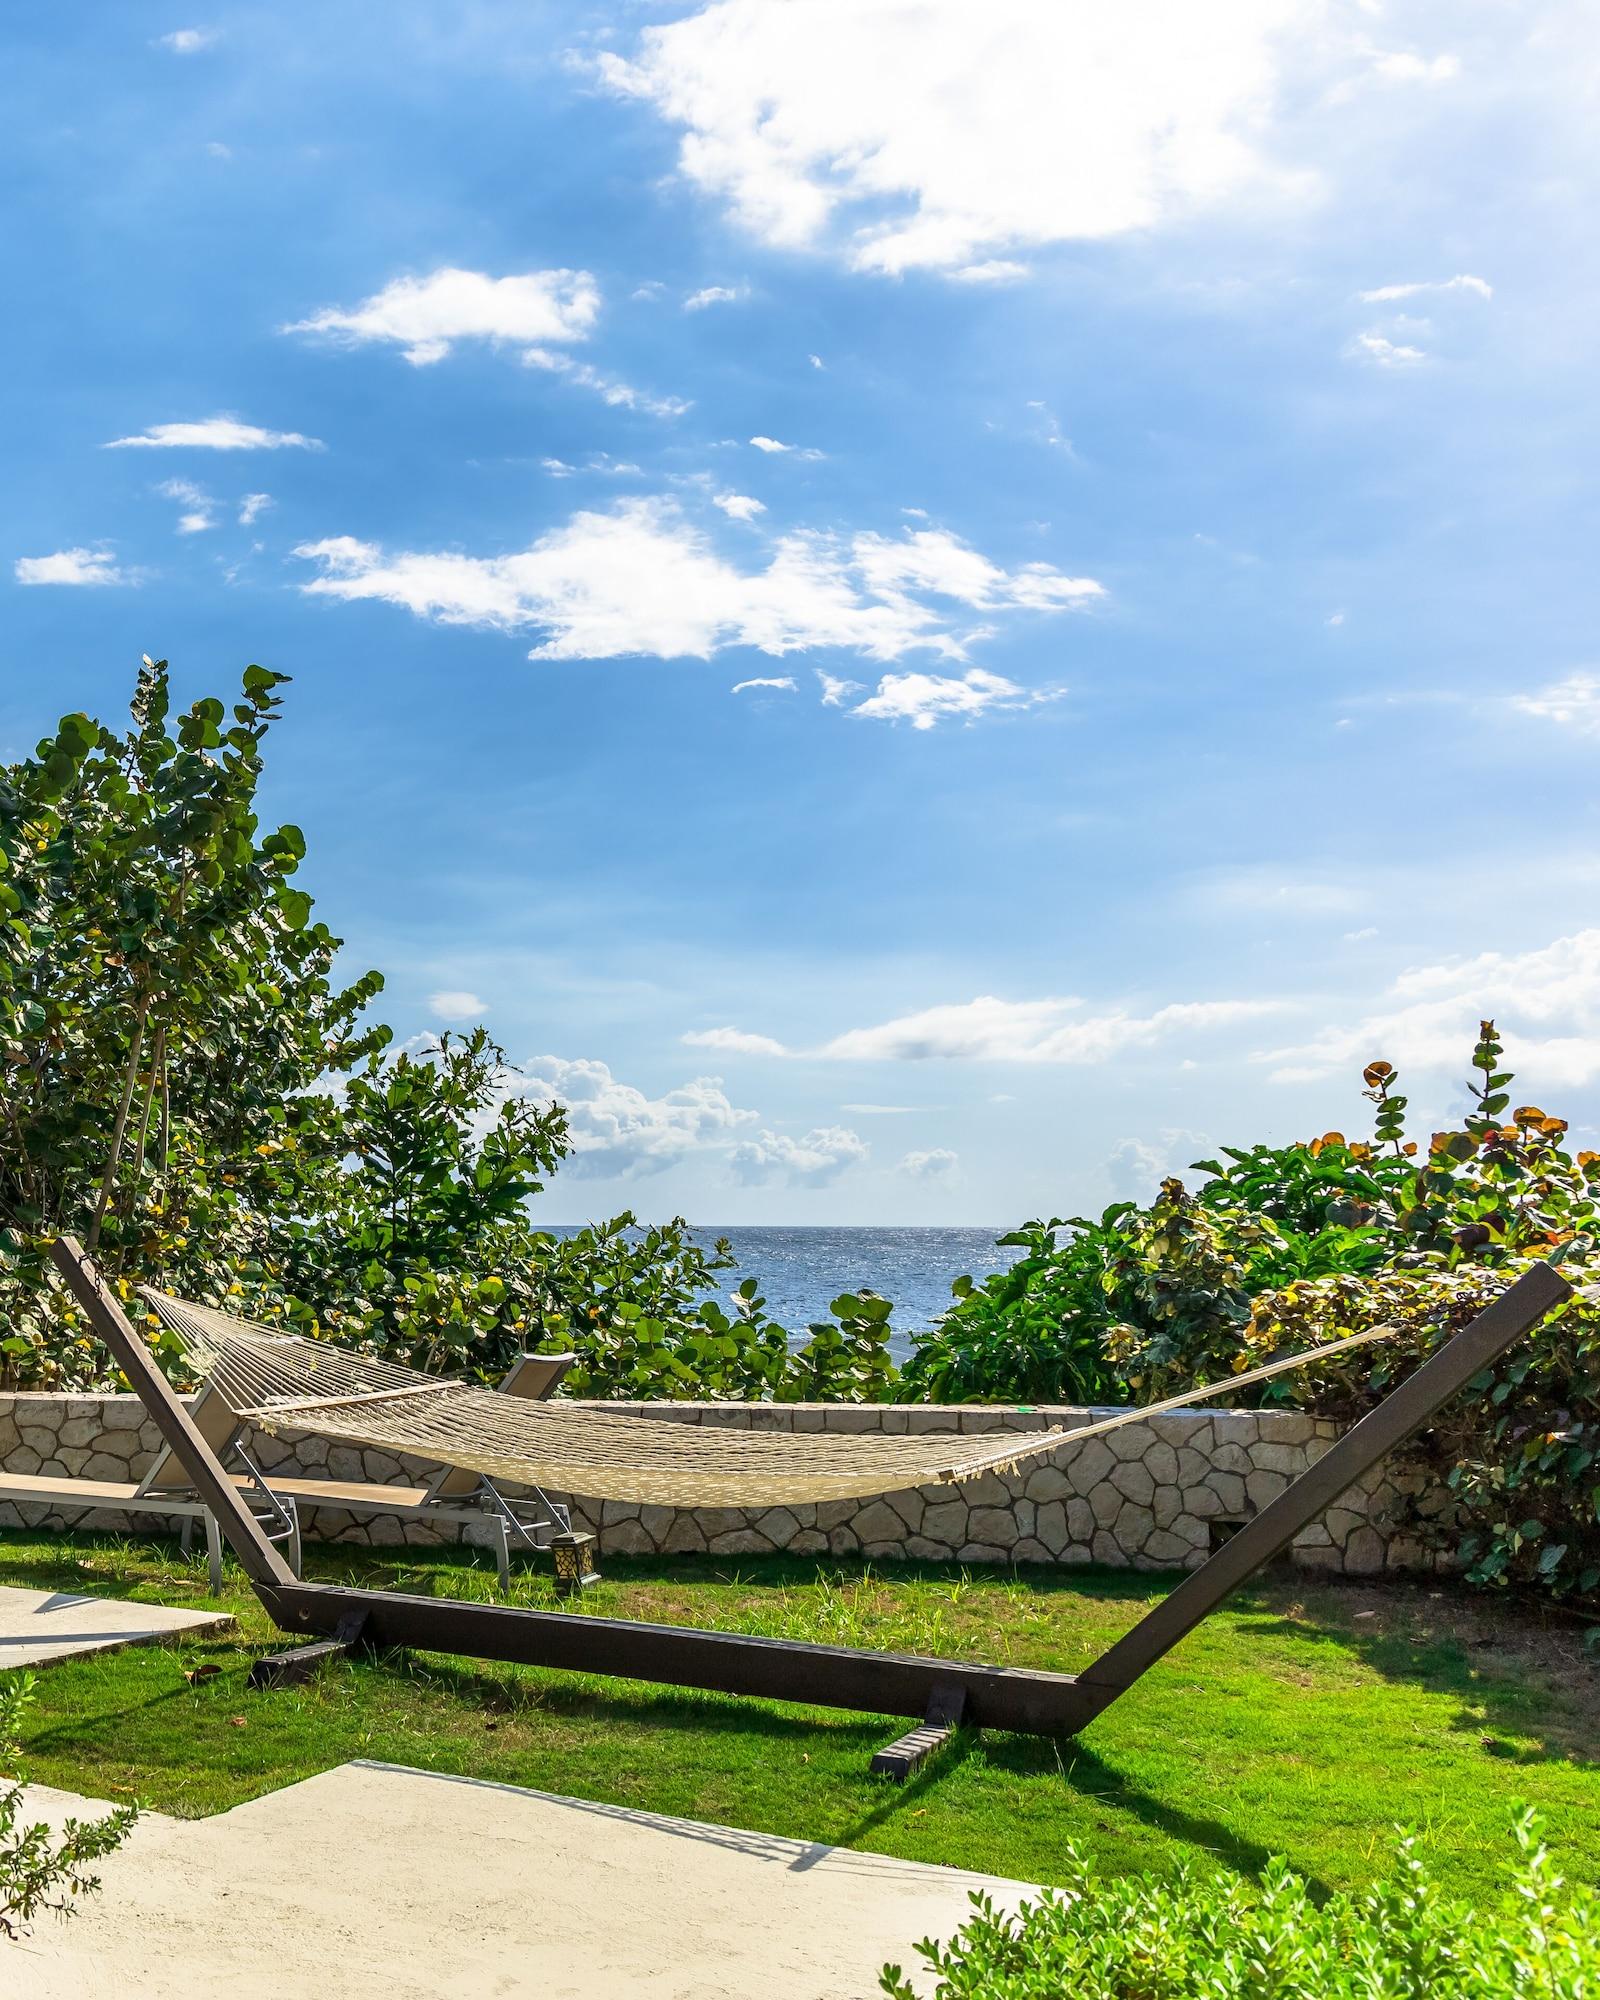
801	1270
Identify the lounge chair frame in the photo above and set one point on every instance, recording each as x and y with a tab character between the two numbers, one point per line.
1024	1700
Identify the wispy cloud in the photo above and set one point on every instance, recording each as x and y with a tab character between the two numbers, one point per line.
645	579
784	682
1384	294
1574	703
1382	352
426	317
734	1041
252	507
716	295
188	41
200	508
1022	1031
222	433
75	567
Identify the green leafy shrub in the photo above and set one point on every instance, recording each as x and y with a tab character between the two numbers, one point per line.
1212	1937
41	1869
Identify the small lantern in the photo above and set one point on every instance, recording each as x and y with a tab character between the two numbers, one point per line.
573	1556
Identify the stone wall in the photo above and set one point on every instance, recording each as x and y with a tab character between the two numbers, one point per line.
1154	1495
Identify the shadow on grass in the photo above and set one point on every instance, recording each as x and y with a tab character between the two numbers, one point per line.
1524	1684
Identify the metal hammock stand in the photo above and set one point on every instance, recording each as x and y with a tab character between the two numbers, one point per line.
941	1694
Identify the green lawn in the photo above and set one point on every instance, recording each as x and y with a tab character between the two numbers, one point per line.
1304	1720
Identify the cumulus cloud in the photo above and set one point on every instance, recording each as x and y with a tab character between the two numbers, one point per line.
784	683
735	1040
1547	1002
738	506
187	41
1384	294
644	579
454	1003
814	1160
76	567
1008	125
426	317
1574	703
937	1163
200	508
1136	1167
925	700
223	433
617	1131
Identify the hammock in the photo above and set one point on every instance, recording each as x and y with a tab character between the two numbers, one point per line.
284	1383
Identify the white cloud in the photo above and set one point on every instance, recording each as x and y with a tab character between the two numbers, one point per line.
738	506
222	433
457	1004
1136	1167
1031	1031
785	682
879	1110
1007	125
78	567
201	507
618	1131
924	700
771	445
620	395
1385	353
1574	703
1399	66
427	316
836	692
252	507
716	295
218	151
937	1163
993	271
992	1030
816	360
187	41
643	579
1546	1001
1361	936
814	1160
1384	294
734	1041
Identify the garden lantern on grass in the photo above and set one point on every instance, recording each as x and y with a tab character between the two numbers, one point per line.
573	1556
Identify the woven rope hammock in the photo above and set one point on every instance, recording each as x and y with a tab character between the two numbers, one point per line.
283	1383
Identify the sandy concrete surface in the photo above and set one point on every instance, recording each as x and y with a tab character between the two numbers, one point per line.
37	1626
374	1881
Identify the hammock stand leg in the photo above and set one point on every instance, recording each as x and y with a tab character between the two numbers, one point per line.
1030	1702
906	1754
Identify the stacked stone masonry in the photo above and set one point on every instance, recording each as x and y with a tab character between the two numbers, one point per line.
1154	1495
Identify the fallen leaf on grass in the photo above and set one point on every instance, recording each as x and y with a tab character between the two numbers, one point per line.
207	1670
237	1722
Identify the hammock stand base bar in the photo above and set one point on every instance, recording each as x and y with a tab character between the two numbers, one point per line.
1023	1700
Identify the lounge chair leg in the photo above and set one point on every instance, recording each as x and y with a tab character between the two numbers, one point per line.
213	1552
502	1554
299	1663
897	1760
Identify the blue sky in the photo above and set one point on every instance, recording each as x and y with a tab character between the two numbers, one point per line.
1178	570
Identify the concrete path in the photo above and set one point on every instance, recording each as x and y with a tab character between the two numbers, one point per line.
38	1626
377	1883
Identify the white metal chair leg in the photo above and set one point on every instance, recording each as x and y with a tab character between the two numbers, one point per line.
213	1551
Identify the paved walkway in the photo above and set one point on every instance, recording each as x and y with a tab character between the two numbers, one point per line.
37	1626
377	1883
